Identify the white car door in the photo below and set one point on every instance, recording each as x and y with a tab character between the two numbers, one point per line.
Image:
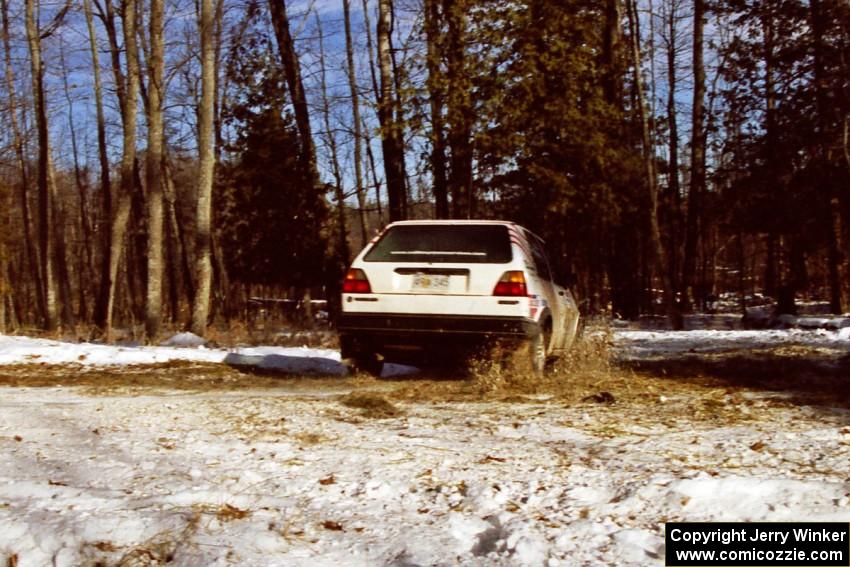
554	301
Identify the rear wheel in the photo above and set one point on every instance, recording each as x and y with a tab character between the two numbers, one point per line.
537	352
358	357
530	355
370	364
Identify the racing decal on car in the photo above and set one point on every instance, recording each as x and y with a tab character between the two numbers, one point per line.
536	304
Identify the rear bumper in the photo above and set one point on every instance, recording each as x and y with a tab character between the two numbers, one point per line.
397	326
426	339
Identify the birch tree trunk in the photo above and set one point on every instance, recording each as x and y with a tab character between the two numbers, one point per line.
390	129
206	169
153	173
46	188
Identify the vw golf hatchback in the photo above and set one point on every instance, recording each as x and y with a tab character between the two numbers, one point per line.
425	291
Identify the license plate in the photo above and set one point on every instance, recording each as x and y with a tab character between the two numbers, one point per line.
430	282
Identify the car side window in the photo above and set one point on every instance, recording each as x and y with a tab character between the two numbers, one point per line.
539	256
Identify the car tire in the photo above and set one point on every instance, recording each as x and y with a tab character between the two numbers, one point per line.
371	365
530	355
537	352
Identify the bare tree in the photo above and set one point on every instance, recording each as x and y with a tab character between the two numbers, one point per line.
292	73
343	250
659	252
46	178
391	138
206	167
671	16
105	182
121	214
153	171
86	273
698	141
32	255
355	111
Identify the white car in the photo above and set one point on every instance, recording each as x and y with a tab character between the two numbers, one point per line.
425	290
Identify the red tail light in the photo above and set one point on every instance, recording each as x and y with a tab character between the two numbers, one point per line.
356	282
511	284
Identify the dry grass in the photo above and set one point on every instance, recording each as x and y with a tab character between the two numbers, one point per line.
174	375
310	438
238	333
704	386
371	404
228	513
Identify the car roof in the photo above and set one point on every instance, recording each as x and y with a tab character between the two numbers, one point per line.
462	222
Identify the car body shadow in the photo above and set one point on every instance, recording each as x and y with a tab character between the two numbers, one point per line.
281	364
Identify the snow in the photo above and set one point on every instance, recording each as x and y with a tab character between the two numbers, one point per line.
640	344
285	477
298	360
185	340
25	350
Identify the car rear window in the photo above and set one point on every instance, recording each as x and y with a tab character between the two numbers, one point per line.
461	244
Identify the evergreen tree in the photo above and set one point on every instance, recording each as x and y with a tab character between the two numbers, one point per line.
271	216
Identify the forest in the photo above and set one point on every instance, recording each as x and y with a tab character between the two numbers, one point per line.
163	162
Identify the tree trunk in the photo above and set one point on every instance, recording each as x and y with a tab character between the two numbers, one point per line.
46	186
436	90
63	277
355	110
698	138
342	231
292	73
832	208
377	182
179	234
32	256
87	268
5	229
153	173
657	245
459	111
121	216
105	184
398	119
206	167
390	130
370	52
674	189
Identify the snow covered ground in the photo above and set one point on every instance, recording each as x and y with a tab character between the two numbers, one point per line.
295	476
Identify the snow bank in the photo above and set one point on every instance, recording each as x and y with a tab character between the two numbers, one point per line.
639	344
184	340
23	350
